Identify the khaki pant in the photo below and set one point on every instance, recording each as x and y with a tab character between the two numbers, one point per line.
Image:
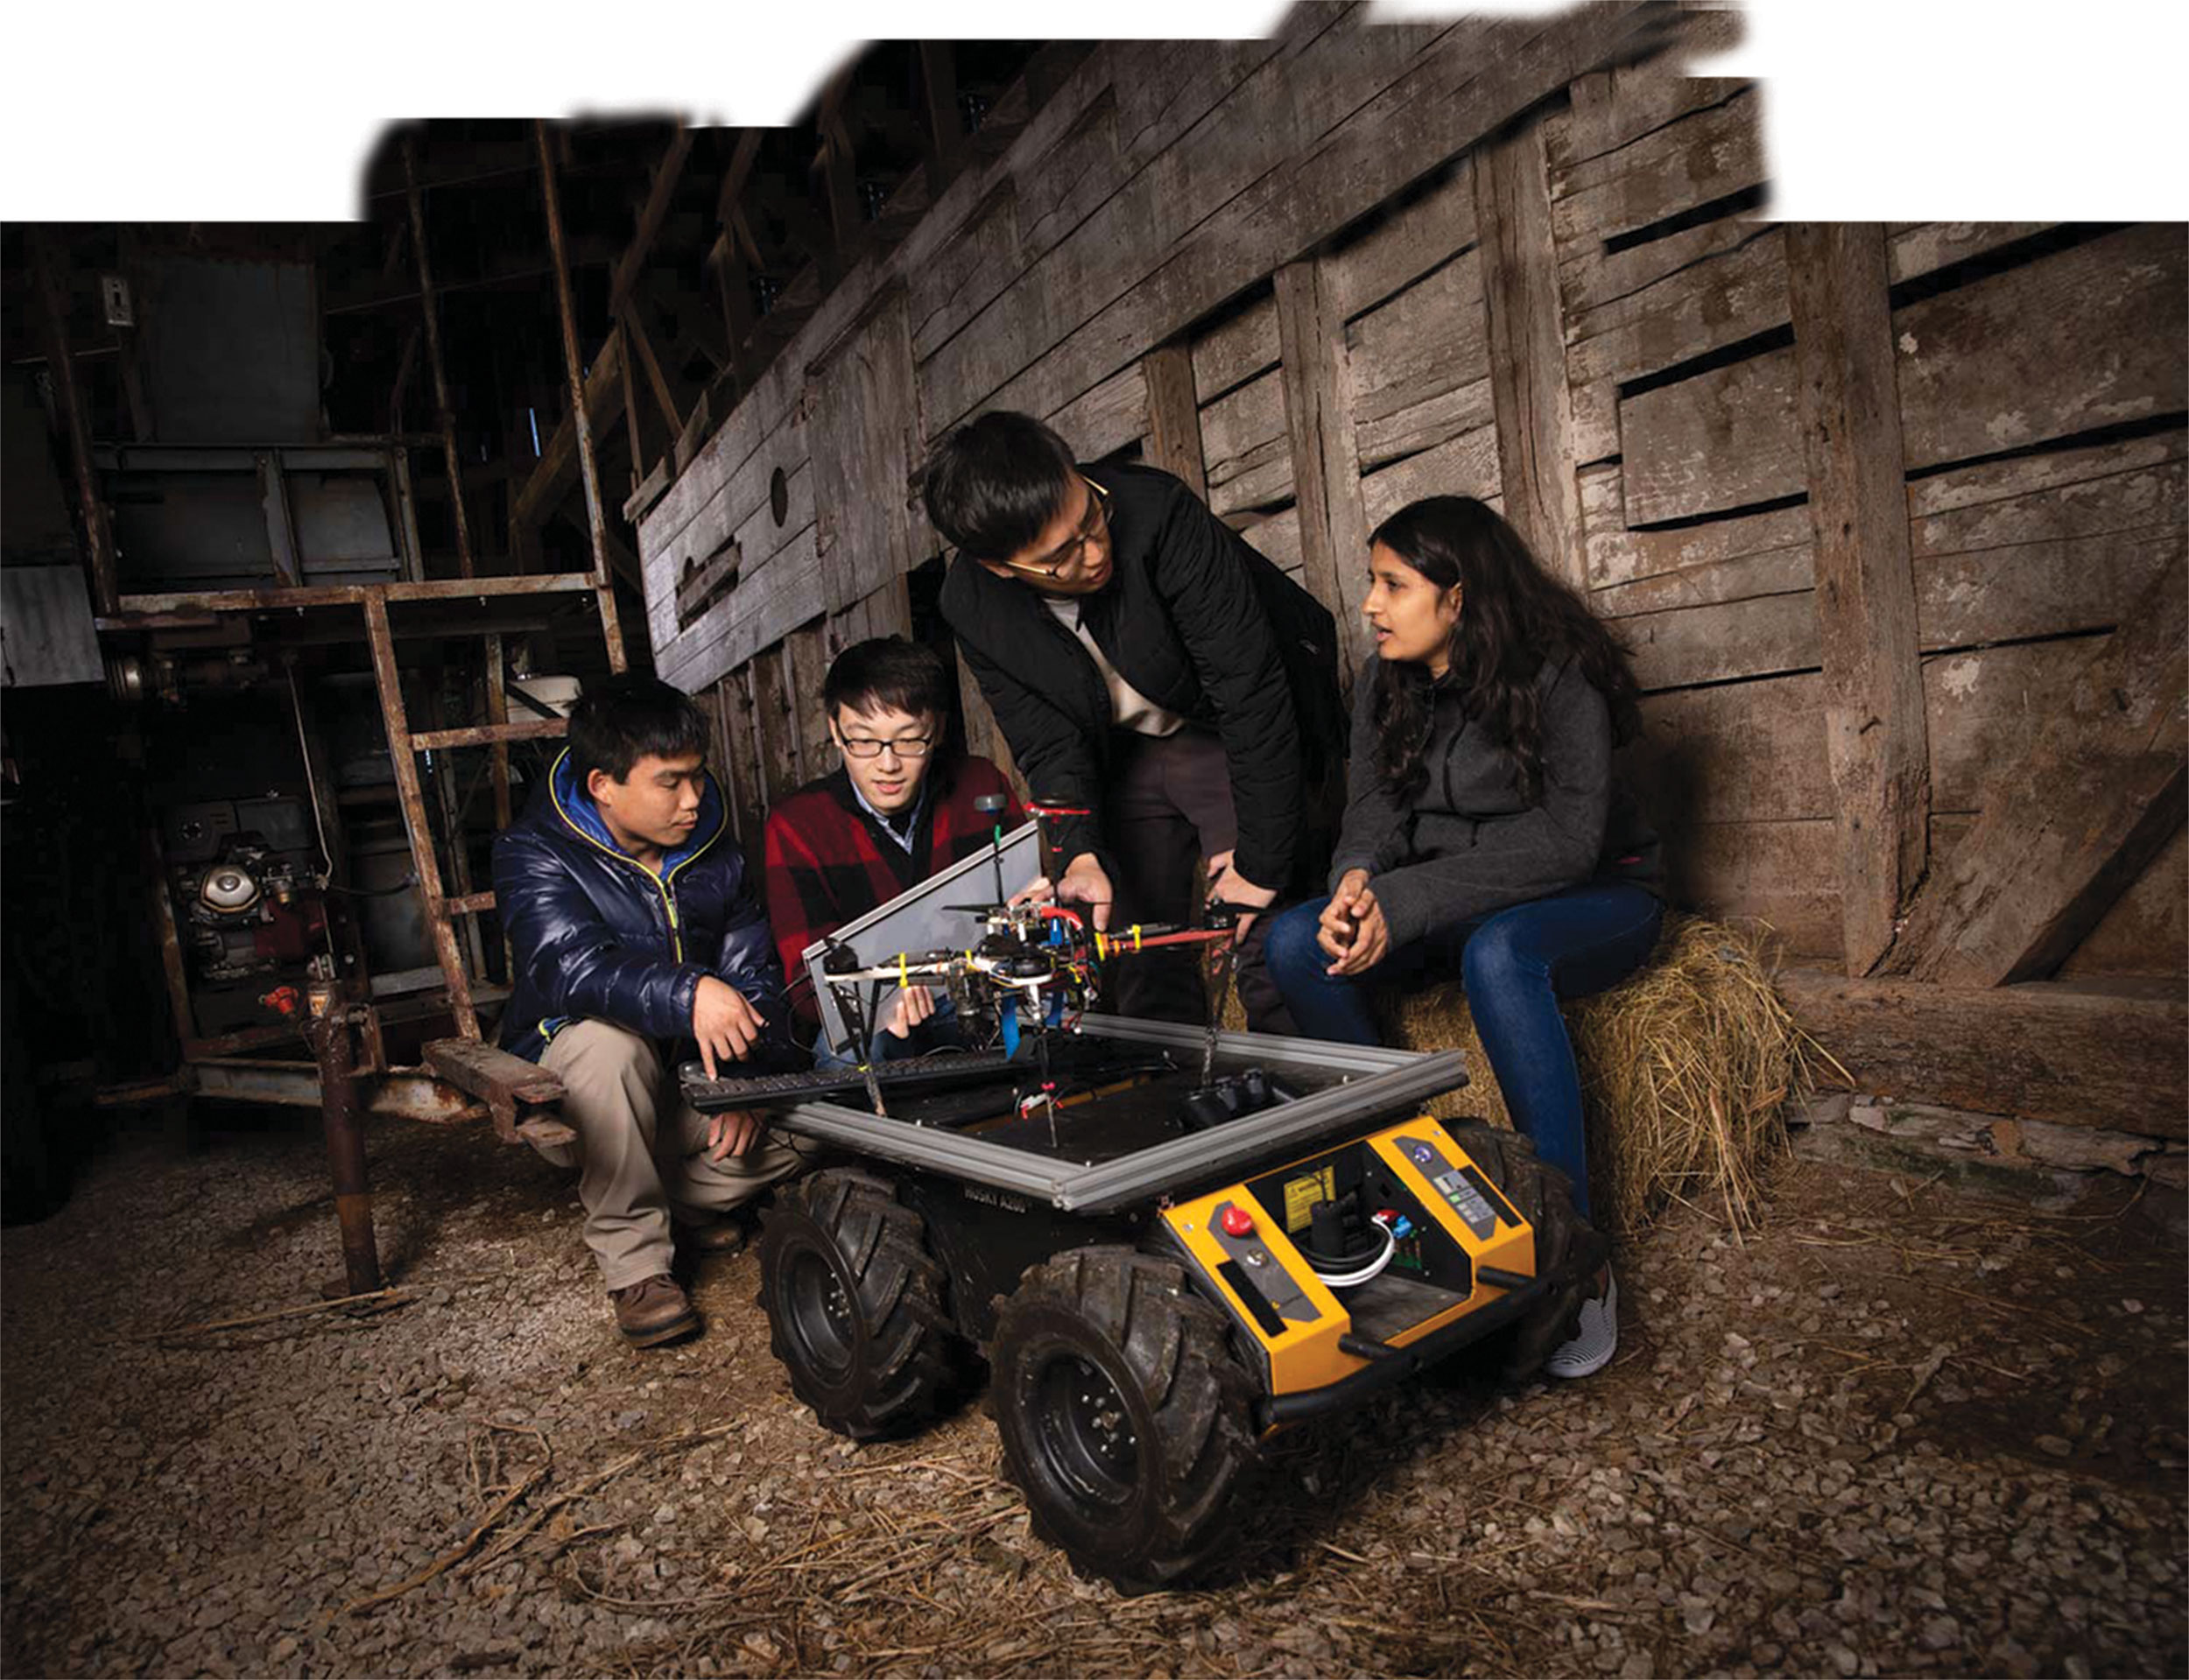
642	1150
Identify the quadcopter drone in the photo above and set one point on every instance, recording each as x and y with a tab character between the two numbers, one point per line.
1035	969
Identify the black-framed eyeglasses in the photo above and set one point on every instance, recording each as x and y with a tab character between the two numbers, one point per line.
1094	526
909	747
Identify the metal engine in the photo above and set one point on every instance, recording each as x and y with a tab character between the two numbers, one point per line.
244	880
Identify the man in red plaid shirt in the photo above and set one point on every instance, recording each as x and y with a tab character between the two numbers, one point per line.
900	809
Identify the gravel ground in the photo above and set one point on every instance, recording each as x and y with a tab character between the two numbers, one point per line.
1898	1431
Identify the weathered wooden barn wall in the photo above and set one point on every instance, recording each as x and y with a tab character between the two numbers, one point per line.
1325	273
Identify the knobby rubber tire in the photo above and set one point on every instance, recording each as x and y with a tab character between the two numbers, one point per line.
858	1307
1543	1195
1168	1395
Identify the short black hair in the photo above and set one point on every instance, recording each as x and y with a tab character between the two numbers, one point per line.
619	721
995	482
888	673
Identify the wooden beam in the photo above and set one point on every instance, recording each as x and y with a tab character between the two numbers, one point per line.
1527	350
643	352
1174	418
551	477
429	309
573	371
946	131
652	215
734	179
52	298
2093	1055
2070	827
1875	733
1318	386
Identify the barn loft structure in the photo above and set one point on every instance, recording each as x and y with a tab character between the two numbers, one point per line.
1891	516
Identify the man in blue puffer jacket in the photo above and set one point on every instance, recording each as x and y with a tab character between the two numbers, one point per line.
635	925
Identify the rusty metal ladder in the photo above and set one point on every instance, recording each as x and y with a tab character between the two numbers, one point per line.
512	1088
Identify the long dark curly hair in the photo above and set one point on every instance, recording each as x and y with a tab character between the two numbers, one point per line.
1513	616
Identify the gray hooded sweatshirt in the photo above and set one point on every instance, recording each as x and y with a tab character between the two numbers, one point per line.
1467	844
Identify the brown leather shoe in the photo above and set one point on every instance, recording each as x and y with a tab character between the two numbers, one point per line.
653	1311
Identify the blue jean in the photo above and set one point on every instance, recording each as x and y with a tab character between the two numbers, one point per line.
1515	964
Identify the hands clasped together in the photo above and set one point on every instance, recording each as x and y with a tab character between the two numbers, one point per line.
1352	928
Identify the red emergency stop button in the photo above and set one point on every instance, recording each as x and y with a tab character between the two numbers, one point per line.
1236	1221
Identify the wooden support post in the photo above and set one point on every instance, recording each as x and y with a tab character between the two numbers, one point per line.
1876	732
2070	827
60	366
1318	387
444	411
946	131
1527	351
1174	418
573	368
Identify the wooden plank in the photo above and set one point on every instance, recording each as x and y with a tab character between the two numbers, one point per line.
2079	1055
1376	131
1248	450
2081	339
1429	225
1527	351
1706	306
1781	874
1611	107
1174	421
1735	752
1725	439
1421	364
968	272
1986	707
1762	636
1915	249
866	440
765	606
1874	722
804	666
1466	466
1290	101
1277	536
1715	151
774	720
1112	416
2049	587
2073	822
1621	561
1317	384
1744	577
1236	349
2024	476
1591	277
1095	142
489	1074
2147	929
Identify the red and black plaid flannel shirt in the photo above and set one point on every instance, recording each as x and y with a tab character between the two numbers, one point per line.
829	863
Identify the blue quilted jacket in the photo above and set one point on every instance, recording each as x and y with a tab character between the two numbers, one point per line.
597	935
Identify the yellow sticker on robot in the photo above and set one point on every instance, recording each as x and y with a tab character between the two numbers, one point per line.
1302	1193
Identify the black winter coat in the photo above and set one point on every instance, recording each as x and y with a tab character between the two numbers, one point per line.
1199	623
599	935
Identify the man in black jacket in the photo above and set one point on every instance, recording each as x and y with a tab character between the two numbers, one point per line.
1173	691
635	925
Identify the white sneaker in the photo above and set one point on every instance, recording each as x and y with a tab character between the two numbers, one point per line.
1598	1340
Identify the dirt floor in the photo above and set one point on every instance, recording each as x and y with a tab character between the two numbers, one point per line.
1899	1431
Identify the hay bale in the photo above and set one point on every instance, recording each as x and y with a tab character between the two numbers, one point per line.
1689	1069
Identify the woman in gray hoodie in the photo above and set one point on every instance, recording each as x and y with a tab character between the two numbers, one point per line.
1485	834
